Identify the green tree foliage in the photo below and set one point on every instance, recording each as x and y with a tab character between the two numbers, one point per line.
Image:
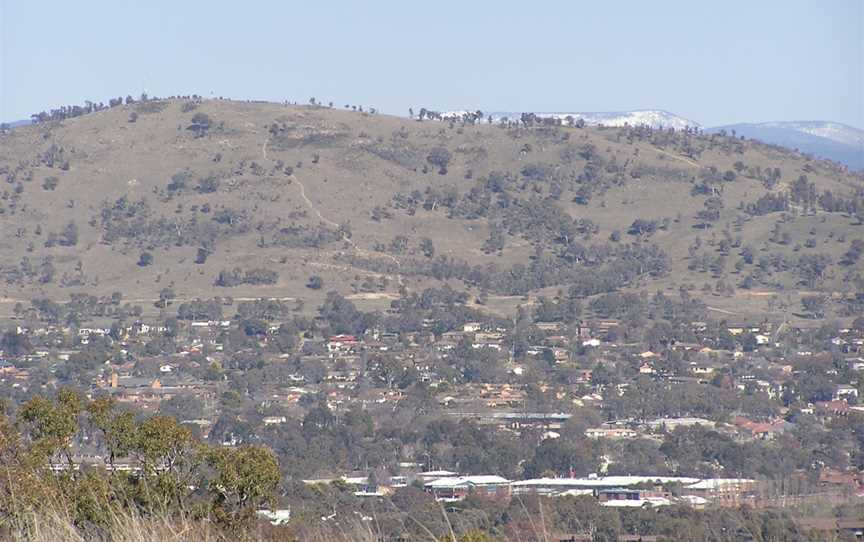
117	427
440	158
200	124
52	424
246	479
254	277
315	282
177	473
14	344
559	457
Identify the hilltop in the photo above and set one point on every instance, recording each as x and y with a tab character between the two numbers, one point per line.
187	198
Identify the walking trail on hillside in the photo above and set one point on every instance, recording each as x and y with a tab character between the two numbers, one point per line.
676	157
322	218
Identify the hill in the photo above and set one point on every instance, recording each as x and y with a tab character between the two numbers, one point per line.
830	140
186	198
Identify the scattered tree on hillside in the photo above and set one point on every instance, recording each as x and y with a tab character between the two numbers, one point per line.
145	259
200	124
315	282
440	158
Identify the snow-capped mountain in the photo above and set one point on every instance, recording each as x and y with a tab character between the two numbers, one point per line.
832	140
656	118
835	131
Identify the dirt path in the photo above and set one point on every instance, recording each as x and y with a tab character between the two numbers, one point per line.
350	269
676	157
147	300
322	218
175	300
347	239
721	311
314	209
373	296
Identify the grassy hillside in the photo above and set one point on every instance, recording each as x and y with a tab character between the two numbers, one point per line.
252	199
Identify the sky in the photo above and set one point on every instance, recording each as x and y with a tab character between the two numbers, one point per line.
711	62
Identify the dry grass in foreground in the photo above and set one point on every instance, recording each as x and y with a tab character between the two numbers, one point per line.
55	525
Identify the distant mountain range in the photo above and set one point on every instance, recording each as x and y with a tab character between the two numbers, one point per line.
656	118
832	140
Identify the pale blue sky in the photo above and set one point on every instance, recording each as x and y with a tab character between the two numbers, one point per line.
713	62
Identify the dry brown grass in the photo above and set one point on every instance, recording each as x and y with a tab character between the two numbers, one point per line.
110	158
55	525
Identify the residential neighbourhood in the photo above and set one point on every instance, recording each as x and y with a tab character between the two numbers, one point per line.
567	381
